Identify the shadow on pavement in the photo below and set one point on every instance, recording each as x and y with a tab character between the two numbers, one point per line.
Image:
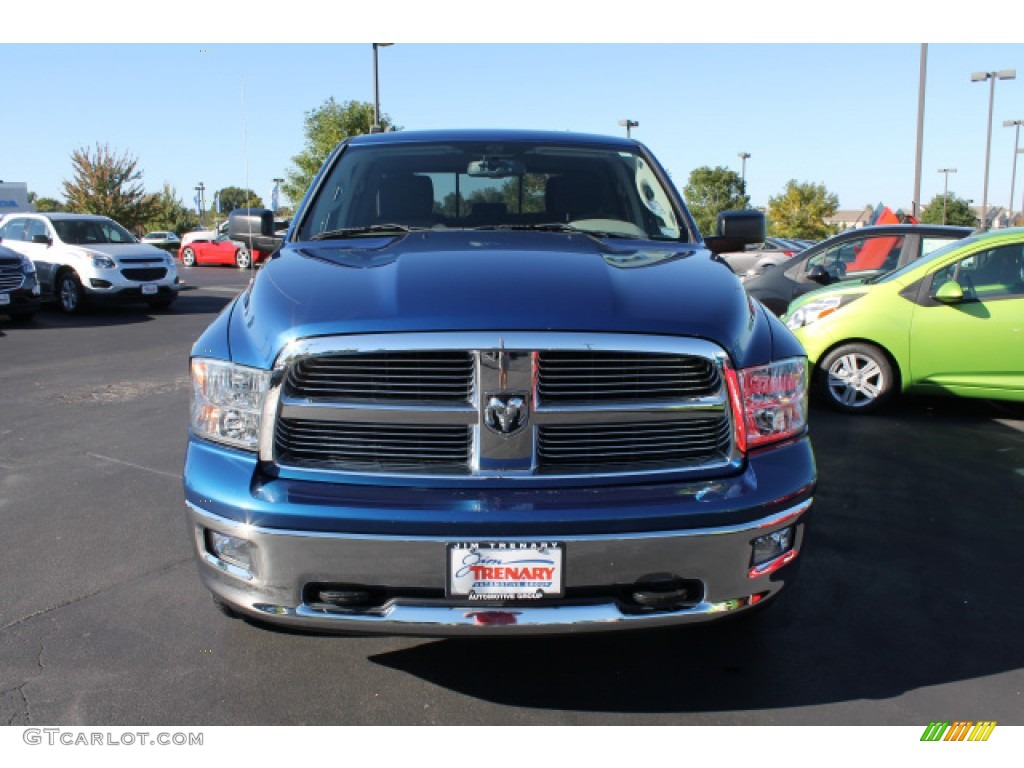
908	580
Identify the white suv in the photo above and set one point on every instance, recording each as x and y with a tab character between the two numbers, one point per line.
81	257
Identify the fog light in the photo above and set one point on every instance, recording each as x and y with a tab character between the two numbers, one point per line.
771	552
97	283
230	549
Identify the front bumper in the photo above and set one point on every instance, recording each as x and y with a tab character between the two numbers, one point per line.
699	533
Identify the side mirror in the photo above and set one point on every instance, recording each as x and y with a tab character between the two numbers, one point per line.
42	240
254	227
820	275
736	229
949	293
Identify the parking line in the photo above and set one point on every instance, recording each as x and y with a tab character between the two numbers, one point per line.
135	466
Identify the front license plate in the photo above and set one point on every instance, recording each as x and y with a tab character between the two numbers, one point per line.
149	289
506	570
5	299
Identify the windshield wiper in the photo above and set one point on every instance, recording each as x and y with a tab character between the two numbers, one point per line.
558	226
338	234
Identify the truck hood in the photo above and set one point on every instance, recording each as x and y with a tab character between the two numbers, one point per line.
494	281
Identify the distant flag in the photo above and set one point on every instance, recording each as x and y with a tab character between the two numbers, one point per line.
274	197
216	201
199	211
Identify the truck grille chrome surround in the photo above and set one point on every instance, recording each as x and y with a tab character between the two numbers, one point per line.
488	405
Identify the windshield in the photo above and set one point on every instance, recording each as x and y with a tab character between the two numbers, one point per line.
467	185
91	231
928	259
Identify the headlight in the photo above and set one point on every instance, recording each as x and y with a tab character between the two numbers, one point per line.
100	261
227	402
819	308
769	401
27	267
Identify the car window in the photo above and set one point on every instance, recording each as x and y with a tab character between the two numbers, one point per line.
986	275
35	228
91	231
518	184
929	244
13	229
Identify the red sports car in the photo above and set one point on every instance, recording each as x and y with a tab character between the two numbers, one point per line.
217	250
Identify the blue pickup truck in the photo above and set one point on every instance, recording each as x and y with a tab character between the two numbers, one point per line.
496	382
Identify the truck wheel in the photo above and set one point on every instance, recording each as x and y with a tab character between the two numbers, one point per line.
856	378
70	296
242	258
188	257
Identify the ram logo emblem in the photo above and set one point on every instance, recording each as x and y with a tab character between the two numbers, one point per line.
506	412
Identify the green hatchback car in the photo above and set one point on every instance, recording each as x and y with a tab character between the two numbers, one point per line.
951	322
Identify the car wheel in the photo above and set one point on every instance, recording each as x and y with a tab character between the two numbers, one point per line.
70	296
188	257
242	258
856	378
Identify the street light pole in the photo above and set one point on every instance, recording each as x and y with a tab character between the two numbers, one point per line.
1013	176
629	124
980	77
200	188
275	203
945	190
375	128
743	171
916	207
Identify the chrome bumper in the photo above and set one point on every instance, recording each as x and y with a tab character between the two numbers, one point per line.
285	561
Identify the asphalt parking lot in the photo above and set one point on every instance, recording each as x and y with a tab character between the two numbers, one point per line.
905	612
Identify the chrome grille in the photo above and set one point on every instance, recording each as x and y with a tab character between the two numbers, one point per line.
434	377
517	405
608	446
10	280
373	447
565	377
144	273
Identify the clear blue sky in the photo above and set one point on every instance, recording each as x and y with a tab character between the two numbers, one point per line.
842	114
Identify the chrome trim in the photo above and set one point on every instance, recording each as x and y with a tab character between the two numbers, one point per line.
285	561
511	360
379	414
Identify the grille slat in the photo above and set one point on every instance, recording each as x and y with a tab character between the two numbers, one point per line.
10	280
635	445
432	377
381	447
566	376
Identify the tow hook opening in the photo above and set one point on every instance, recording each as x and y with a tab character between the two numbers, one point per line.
665	592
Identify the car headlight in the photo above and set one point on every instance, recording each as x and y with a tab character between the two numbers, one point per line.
769	401
227	402
819	308
99	261
27	267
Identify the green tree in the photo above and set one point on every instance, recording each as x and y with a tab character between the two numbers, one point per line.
801	210
170	213
45	204
710	191
107	184
958	211
325	127
236	197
